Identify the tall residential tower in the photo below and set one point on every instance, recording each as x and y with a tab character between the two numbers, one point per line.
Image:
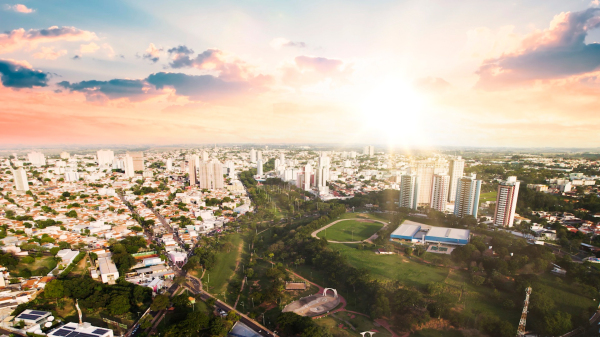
506	202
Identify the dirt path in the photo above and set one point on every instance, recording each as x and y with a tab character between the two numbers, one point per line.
370	239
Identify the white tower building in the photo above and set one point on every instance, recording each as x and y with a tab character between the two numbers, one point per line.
105	157
467	196
129	168
20	179
170	164
253	156
409	190
506	202
457	168
259	167
439	192
36	158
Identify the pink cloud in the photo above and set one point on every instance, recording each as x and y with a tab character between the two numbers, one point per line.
20	9
49	53
557	52
309	70
20	38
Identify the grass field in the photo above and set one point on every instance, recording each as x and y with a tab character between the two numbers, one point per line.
224	268
392	267
489	196
46	261
350	230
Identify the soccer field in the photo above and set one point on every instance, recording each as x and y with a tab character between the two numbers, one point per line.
350	230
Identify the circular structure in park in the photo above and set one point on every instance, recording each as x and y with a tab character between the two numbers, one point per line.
350	230
313	305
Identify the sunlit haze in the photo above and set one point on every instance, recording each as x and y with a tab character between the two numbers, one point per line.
395	73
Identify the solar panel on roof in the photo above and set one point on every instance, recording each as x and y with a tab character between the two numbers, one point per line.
81	334
26	316
68	327
61	332
99	331
34	312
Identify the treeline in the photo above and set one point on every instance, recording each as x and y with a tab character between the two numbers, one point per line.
117	299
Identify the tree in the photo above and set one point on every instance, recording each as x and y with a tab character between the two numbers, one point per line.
160	302
146	322
71	214
119	305
54	289
558	323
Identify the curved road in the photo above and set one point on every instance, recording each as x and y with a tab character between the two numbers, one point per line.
373	237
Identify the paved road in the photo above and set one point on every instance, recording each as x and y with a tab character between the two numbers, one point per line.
373	237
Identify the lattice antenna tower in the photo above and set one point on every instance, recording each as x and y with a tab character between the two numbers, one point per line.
522	322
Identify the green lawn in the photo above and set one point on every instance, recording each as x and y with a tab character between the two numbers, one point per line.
224	268
394	267
564	298
489	196
46	261
350	230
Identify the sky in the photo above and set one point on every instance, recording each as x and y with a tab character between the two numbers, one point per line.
400	73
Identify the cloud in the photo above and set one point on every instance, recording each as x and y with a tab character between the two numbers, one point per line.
21	75
557	52
20	38
48	53
134	90
309	70
19	8
198	87
432	84
88	48
153	53
226	67
281	42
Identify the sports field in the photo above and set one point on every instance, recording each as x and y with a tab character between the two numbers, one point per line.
489	196
350	230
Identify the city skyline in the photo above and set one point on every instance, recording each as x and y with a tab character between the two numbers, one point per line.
410	74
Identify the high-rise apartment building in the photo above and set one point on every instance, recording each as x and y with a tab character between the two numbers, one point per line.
322	174
439	192
210	174
20	179
65	155
466	199
457	169
425	170
259	167
138	160
409	191
204	155
305	177
193	175
170	164
259	155
105	157
36	158
253	156
129	168
506	202
369	150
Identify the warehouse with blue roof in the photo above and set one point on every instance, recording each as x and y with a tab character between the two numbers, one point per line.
416	232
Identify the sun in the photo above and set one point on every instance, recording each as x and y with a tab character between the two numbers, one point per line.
394	110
